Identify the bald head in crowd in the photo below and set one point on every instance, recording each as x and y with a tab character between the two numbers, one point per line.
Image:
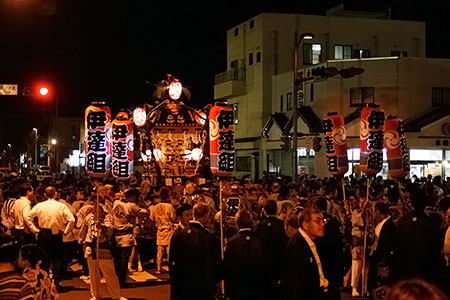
201	213
244	219
50	192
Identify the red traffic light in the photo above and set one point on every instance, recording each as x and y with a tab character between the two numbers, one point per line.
43	91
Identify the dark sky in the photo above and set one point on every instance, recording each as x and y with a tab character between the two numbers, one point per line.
108	50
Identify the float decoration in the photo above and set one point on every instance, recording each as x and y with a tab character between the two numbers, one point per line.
335	144
172	141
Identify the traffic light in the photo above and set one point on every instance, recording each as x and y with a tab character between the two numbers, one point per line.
43	91
350	72
316	144
286	143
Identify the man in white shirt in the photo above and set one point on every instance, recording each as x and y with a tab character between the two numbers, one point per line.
22	206
54	220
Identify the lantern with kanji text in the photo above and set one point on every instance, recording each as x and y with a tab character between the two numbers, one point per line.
397	152
335	144
97	139
221	139
371	139
122	147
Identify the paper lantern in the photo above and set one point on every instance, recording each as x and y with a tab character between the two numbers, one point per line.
122	147
175	90
335	144
221	139
371	139
97	139
139	116
397	152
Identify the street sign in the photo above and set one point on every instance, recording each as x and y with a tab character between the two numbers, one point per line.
8	89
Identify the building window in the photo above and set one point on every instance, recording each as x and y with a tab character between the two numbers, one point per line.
234	64
312	54
281	103
440	96
258	57
236	113
243	163
342	51
289	101
236	31
250	59
399	53
311	92
361	53
252	24
361	96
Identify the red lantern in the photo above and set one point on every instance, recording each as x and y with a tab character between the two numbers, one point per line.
397	152
97	140
335	144
122	147
371	139
221	139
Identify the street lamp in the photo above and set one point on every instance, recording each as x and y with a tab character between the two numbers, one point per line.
54	141
35	148
297	41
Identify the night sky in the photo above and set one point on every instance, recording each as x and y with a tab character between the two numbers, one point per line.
109	50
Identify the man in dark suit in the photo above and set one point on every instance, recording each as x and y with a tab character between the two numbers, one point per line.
244	264
302	275
331	250
273	237
380	261
417	243
184	216
194	259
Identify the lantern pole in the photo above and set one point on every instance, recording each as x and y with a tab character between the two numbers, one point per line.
222	283
97	246
343	190
364	279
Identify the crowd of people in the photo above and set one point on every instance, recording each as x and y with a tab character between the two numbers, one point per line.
271	239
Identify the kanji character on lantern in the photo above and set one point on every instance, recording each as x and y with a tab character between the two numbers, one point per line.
335	144
397	151
371	139
221	139
97	144
122	147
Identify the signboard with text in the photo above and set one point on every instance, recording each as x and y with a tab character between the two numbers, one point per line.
8	89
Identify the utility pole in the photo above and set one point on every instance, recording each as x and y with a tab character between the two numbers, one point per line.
297	41
295	113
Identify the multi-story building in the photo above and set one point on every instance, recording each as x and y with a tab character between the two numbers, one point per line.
414	89
259	79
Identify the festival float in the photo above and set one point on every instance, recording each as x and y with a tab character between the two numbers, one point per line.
167	137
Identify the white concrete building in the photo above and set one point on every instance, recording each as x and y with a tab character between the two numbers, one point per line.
415	89
259	79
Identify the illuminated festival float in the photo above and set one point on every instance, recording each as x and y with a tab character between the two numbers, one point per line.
172	135
170	138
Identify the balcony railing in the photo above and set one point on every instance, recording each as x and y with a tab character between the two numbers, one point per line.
235	74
